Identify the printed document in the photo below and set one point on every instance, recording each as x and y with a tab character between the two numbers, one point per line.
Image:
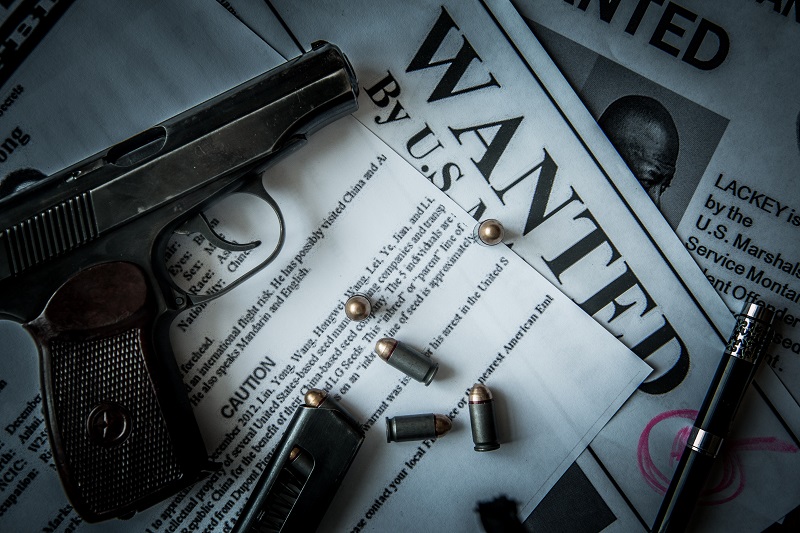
361	220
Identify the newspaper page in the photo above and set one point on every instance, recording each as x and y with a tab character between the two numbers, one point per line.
716	72
719	71
23	25
259	17
491	121
480	312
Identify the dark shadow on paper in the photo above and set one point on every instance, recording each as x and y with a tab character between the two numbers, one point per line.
572	505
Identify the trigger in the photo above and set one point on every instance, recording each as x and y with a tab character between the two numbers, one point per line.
199	224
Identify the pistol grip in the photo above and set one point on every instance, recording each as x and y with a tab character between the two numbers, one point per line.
121	430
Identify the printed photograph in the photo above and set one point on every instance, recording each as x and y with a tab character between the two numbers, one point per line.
666	139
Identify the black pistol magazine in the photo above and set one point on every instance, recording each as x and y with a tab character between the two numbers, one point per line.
305	470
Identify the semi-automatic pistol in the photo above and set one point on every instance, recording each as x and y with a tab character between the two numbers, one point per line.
82	267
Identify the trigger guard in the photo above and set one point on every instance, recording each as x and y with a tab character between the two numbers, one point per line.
199	224
255	188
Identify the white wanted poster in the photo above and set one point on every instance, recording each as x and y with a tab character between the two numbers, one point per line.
360	219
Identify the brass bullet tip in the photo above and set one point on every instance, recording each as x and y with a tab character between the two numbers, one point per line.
357	308
479	394
442	425
294	453
315	397
490	232
385	347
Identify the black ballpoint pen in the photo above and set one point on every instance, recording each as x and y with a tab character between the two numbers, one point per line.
743	353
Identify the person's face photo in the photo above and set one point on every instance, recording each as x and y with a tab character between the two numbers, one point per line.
645	135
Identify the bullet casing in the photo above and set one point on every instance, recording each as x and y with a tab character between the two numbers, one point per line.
300	463
416	427
411	362
482	419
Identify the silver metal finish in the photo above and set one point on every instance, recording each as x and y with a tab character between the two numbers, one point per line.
416	427
752	333
411	362
704	442
482	419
